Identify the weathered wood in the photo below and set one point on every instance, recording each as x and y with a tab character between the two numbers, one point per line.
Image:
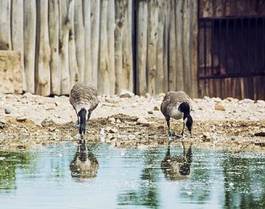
111	44
141	85
160	78
179	45
152	45
166	44
54	45
43	48
127	74
64	48
88	50
29	43
79	38
95	21
5	30
18	35
172	47
73	66
103	76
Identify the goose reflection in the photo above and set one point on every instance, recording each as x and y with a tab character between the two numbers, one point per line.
177	167
84	164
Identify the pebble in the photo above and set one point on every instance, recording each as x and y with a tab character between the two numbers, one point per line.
219	107
21	118
2	123
126	94
142	121
112	120
111	130
156	108
150	112
7	111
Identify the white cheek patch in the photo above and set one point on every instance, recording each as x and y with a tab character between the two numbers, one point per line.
186	120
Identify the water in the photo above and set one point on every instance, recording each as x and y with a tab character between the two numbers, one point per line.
130	178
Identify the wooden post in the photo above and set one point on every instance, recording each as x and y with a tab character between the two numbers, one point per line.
166	44
79	38
43	50
73	68
103	76
95	15
54	44
152	45
17	35
64	41
172	47
88	50
29	43
111	44
141	85
5	30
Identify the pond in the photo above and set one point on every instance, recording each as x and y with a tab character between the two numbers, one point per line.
131	178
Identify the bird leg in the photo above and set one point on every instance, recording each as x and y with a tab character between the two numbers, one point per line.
182	132
170	132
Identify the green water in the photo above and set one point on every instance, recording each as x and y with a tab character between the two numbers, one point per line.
130	178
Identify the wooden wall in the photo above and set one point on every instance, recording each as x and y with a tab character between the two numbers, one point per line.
141	46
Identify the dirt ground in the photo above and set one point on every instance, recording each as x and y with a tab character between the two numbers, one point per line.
29	120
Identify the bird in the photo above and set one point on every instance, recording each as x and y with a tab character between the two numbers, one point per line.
84	100
84	164
177	105
177	167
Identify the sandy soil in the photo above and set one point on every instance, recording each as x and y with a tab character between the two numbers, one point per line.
29	120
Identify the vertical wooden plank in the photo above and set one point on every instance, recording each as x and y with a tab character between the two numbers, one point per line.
5	30
79	38
29	43
160	78
166	44
179	45
43	47
95	22
88	80
141	85
17	35
54	44
111	44
103	75
172	47
152	45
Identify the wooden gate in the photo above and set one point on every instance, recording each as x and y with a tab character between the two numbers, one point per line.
231	50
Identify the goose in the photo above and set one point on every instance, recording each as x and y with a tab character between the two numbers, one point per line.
176	105
84	164
177	167
84	100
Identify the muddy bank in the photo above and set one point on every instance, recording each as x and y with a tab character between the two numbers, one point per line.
29	120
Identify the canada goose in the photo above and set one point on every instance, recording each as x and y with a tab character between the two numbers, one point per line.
84	100
177	167
84	164
176	104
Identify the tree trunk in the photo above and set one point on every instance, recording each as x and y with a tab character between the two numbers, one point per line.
64	42
172	48
5	31
111	45
88	50
17	34
43	58
29	43
152	45
103	76
54	44
73	67
80	38
179	45
95	15
141	48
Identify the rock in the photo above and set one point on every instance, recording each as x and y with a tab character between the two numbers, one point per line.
142	121
2	123
111	130
21	118
147	95
150	112
126	94
47	122
156	108
7	111
206	137
219	107
260	134
112	120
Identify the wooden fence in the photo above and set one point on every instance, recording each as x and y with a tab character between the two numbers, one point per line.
142	46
